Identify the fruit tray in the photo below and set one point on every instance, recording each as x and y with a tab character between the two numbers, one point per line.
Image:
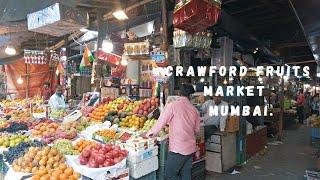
94	173
136	157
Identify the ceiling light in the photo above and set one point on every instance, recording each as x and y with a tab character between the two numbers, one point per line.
10	50
20	80
318	74
254	52
124	62
225	81
120	15
202	80
107	46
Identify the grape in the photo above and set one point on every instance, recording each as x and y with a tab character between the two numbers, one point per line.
19	150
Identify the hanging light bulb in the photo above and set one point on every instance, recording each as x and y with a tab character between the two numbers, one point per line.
225	81
120	15
20	80
107	46
124	62
10	50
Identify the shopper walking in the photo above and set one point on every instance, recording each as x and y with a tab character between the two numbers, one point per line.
315	104
184	123
300	106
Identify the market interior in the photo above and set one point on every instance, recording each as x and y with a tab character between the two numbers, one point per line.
86	86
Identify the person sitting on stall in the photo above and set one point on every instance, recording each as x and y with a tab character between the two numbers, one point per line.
212	123
46	91
57	101
184	124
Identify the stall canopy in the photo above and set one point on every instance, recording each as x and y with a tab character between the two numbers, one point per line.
37	74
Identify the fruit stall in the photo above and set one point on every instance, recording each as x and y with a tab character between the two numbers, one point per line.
103	141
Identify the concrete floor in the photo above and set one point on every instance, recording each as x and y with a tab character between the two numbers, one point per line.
282	162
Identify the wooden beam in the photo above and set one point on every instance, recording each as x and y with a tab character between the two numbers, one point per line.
13	27
164	25
288	45
62	42
135	5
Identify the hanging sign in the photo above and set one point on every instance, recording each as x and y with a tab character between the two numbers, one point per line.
35	57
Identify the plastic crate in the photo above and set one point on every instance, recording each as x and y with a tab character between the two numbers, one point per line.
163	152
150	176
315	132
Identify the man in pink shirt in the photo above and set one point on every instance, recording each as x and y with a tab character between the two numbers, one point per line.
184	123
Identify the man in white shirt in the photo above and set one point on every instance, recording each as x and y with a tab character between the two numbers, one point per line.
56	101
213	122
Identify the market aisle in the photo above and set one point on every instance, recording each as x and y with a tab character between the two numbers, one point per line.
284	162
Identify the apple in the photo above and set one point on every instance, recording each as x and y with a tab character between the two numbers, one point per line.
145	113
83	160
92	163
86	152
100	158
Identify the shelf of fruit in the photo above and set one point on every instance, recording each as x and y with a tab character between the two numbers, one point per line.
102	155
105	135
103	110
12	140
57	140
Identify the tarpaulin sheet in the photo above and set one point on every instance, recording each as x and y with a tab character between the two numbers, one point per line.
39	74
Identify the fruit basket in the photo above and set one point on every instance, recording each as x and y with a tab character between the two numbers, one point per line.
196	15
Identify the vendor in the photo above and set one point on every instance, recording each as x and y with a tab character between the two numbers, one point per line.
57	101
184	123
212	123
46	91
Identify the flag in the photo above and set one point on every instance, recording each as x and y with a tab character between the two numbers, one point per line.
87	58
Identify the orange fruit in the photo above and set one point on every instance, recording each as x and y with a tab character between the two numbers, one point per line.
62	167
35	177
76	175
68	171
63	176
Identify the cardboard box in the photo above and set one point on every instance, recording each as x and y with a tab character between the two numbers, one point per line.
233	124
121	174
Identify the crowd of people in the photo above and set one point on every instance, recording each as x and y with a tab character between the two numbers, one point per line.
307	105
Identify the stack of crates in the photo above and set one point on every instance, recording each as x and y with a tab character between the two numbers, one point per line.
198	171
315	137
163	154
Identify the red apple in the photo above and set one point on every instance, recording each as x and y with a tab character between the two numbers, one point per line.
100	158
83	160
92	163
145	113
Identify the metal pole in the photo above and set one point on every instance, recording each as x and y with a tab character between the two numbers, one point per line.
27	80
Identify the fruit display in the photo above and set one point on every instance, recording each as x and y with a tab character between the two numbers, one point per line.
38	109
44	128
314	121
148	125
12	140
58	114
15	127
19	150
38	158
4	124
20	114
65	147
81	144
87	110
124	136
102	155
62	172
66	132
132	121
106	135
146	106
